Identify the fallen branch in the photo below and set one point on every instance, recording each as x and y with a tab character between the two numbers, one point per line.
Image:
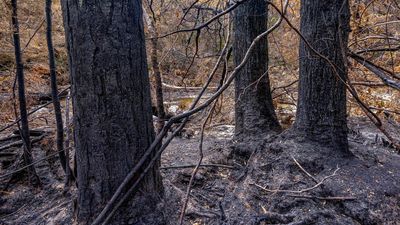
385	110
202	165
340	198
10	137
20	143
173	87
368	84
299	191
376	70
305	171
394	49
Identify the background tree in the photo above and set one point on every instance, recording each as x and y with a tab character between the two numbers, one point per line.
24	128
111	104
54	92
321	113
254	110
157	84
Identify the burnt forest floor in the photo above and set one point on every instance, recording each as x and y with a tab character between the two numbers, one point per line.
269	180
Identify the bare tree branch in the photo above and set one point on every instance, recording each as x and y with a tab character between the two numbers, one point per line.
376	70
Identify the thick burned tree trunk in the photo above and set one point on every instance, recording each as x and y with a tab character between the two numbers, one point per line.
54	90
254	110
321	113
112	108
33	178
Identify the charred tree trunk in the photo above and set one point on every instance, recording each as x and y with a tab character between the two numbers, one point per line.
54	90
33	178
254	109
112	107
321	113
156	71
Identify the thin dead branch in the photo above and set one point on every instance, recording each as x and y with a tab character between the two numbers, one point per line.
305	171
192	166
376	70
339	198
201	26
298	191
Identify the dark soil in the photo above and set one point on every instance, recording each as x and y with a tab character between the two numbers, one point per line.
371	178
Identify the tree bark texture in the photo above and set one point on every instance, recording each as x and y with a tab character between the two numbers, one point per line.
254	109
111	104
321	113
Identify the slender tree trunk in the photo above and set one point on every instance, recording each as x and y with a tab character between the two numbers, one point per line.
254	110
156	71
54	90
33	178
321	113
112	107
70	175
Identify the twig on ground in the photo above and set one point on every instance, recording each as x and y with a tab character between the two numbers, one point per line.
299	191
305	171
10	137
202	165
339	198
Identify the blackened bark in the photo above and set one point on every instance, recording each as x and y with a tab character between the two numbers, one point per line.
254	109
321	113
111	104
33	178
54	89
